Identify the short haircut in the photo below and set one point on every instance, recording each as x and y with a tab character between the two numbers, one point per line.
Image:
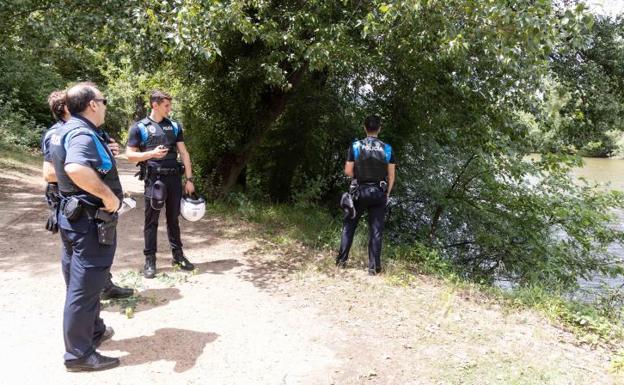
57	102
79	96
158	96
372	123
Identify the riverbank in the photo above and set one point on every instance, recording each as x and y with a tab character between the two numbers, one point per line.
266	306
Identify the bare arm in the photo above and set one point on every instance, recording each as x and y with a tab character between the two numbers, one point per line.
49	175
86	178
391	175
348	169
189	187
135	155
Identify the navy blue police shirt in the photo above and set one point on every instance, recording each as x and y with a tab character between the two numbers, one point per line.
138	139
86	146
45	140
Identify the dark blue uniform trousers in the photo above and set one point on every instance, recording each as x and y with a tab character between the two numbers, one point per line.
172	212
86	266
372	199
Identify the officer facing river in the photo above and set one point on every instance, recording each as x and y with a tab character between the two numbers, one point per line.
371	163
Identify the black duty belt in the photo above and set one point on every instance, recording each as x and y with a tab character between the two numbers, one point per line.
164	171
86	209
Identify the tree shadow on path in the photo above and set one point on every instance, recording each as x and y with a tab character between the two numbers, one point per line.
178	345
211	267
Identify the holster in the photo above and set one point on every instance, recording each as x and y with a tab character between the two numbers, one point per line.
106	227
142	173
71	208
53	199
354	189
52	223
52	195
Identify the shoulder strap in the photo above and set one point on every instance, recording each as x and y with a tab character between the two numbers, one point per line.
356	149
141	124
176	128
107	162
388	151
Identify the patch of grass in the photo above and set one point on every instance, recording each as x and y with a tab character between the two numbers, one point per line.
17	158
285	226
175	277
127	306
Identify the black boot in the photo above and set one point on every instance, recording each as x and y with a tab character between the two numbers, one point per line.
111	290
95	361
180	261
340	263
149	270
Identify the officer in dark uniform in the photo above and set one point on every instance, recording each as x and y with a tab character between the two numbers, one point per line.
58	107
154	143
371	162
90	193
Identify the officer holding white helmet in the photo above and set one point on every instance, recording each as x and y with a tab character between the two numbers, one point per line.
155	142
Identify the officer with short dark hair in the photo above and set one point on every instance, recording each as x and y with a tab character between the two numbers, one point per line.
58	108
154	142
371	162
90	193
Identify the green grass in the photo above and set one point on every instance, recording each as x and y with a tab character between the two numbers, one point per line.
15	158
316	229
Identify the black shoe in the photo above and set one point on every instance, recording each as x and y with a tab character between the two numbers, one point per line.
114	291
107	335
341	264
180	261
92	363
149	270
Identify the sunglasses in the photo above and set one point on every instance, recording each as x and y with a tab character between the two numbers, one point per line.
101	100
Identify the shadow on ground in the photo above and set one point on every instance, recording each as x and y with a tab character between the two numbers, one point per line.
181	346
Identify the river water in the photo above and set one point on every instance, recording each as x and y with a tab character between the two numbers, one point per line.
611	172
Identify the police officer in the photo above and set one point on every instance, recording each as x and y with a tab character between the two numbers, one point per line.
58	107
90	193
155	142
371	162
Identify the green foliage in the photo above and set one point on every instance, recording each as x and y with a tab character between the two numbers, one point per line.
272	92
584	105
17	128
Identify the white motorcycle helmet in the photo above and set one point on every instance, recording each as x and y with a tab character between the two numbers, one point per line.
192	209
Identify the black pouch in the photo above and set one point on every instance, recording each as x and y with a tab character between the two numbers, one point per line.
158	195
106	227
52	195
72	209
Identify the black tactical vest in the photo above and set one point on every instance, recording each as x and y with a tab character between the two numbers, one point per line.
107	169
155	134
371	157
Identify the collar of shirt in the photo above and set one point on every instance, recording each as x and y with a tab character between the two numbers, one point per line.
164	120
92	126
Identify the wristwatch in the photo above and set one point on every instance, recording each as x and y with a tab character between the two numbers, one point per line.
189	179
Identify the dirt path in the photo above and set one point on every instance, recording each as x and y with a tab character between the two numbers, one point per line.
256	313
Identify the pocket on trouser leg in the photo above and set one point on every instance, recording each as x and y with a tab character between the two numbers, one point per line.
107	232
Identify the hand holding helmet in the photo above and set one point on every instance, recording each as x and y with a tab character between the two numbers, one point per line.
192	208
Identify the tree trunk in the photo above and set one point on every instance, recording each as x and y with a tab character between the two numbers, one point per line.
231	164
